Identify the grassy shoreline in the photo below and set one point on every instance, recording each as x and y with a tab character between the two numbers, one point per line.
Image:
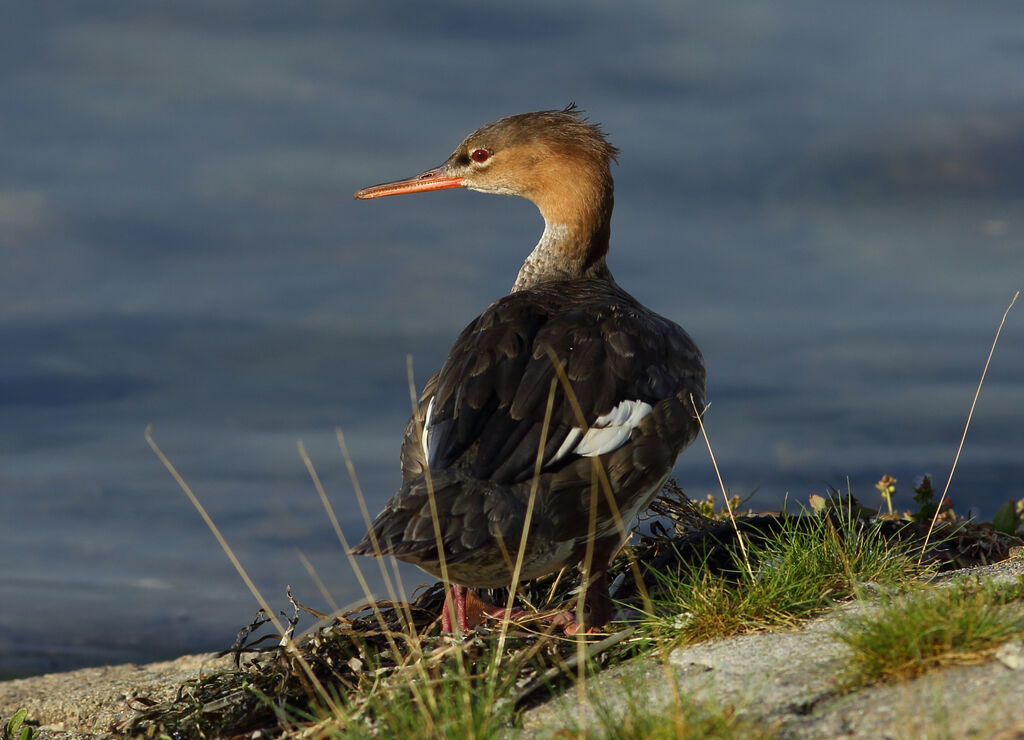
388	672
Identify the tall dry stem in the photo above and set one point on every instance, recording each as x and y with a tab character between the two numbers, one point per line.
967	425
725	495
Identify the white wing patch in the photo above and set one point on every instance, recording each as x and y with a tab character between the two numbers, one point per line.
426	427
608	432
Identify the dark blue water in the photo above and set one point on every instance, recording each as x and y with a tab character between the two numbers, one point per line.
828	196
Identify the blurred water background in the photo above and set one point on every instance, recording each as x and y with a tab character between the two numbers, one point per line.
828	196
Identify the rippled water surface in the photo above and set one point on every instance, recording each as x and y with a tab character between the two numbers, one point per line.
829	197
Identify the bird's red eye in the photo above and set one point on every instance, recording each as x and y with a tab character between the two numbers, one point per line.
480	155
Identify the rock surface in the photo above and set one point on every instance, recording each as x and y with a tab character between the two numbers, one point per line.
788	682
88	703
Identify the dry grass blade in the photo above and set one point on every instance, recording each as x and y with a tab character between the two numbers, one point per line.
363	510
967	425
319	583
721	484
393	581
531	502
264	604
315	477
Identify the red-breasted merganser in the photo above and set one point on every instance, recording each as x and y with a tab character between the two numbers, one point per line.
478	442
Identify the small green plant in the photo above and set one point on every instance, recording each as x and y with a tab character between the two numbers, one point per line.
887	487
1009	518
924	497
808	564
706	507
912	633
16	729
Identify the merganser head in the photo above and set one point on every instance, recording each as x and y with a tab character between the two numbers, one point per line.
538	156
557	160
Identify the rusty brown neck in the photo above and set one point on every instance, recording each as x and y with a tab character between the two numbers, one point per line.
577	227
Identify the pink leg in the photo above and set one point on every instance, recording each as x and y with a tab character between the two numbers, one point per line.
456	597
470	610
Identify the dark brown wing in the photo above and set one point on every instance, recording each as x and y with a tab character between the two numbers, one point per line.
484	410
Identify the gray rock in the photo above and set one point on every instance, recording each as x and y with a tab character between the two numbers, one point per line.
88	703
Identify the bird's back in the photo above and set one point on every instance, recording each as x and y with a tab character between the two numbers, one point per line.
551	378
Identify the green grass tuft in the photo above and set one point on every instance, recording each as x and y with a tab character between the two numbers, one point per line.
807	565
913	633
